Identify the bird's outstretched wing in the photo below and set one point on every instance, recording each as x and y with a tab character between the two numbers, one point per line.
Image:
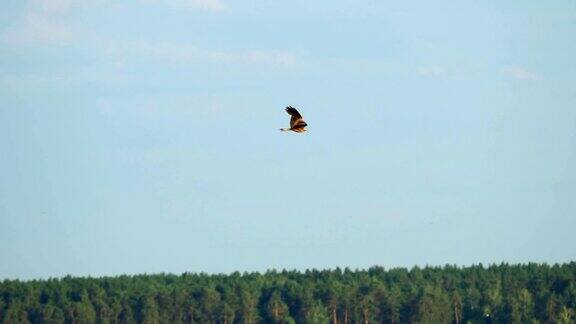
293	112
296	119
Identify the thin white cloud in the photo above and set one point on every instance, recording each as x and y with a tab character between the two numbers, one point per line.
51	6
36	27
521	73
210	5
177	53
206	5
47	21
36	80
190	54
44	21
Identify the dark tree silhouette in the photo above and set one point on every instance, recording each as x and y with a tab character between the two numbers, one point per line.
502	293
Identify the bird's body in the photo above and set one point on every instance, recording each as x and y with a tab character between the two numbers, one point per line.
297	123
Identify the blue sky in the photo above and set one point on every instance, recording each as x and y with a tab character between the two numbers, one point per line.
142	136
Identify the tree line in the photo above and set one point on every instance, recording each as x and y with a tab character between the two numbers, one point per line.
527	293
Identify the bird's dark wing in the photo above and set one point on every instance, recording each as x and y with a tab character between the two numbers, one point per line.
293	112
296	118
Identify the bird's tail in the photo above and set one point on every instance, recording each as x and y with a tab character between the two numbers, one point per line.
284	129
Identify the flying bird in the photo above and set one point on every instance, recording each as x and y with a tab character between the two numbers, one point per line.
297	123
